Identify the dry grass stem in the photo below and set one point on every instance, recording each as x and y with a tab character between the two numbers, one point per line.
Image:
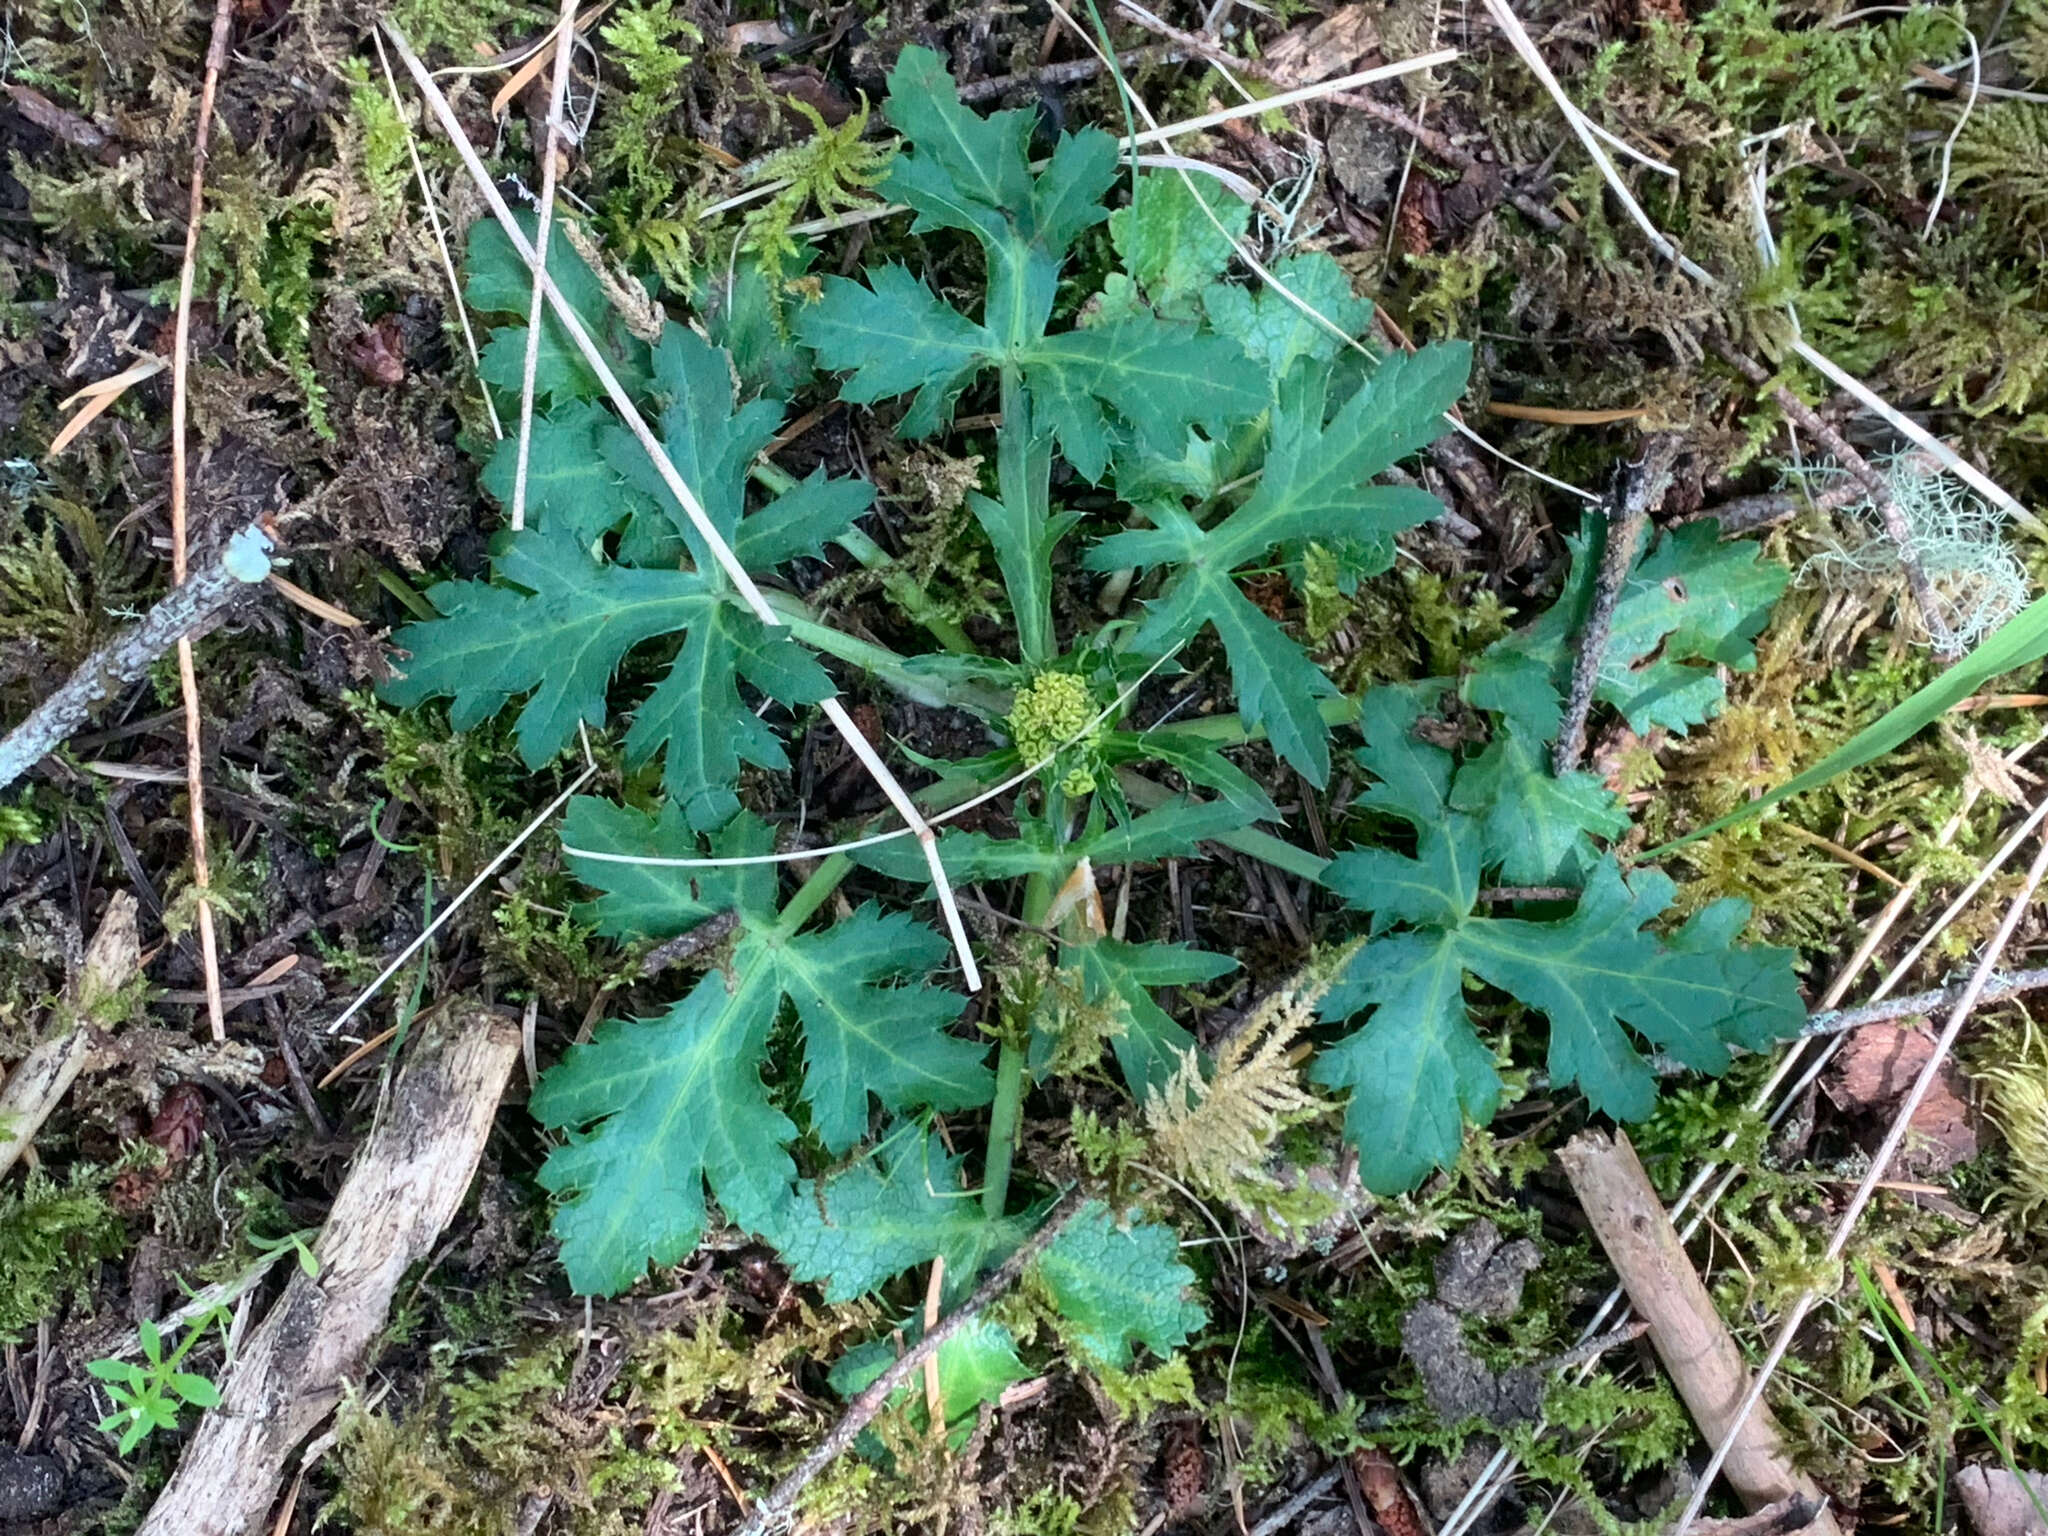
685	497
1880	1162
565	31
188	682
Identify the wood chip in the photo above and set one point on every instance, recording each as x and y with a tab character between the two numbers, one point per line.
1333	46
1874	1070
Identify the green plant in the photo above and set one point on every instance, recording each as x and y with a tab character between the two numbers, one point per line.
52	1237
1213	434
152	1395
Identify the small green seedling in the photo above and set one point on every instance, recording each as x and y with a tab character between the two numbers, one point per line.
148	1397
293	1243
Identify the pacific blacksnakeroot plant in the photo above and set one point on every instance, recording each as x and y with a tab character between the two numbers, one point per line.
1230	432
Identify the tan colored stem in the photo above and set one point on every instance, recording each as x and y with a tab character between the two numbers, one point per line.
188	681
408	1181
1705	1365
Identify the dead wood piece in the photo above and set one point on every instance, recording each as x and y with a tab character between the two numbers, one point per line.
407	1183
1780	1519
42	1077
1638	488
118	663
1686	1331
2003	1503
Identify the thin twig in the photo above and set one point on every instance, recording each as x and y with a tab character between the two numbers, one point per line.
1071	72
188	682
775	1508
1637	487
564	53
1746	514
1840	1020
128	656
1288	1516
690	943
1873	483
715	544
1880	1164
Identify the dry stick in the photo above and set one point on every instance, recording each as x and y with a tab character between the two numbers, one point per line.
565	32
1696	1197
1637	487
188	682
1746	514
1703	1360
125	658
409	1179
1874	485
42	1077
778	1505
721	551
1069	73
1841	1020
1880	1164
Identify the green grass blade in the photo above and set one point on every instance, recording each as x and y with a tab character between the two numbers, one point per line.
2023	640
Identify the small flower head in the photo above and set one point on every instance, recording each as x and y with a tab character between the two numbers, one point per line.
1052	712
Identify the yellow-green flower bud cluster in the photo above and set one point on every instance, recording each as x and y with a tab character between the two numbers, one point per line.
1050	713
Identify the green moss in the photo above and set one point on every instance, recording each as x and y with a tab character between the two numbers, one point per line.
829	171
462	27
52	1238
638	143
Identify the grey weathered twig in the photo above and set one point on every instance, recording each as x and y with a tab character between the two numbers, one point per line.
1637	487
1839	1021
1873	483
1070	72
126	657
773	1510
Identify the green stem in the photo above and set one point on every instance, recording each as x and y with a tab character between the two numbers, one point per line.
1013	1040
896	582
1024	484
990	703
1229	730
1002	1126
902	589
814	892
1263	846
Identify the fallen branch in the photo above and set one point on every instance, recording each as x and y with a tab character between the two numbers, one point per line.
1637	487
130	654
774	1509
1704	1362
407	1183
42	1077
